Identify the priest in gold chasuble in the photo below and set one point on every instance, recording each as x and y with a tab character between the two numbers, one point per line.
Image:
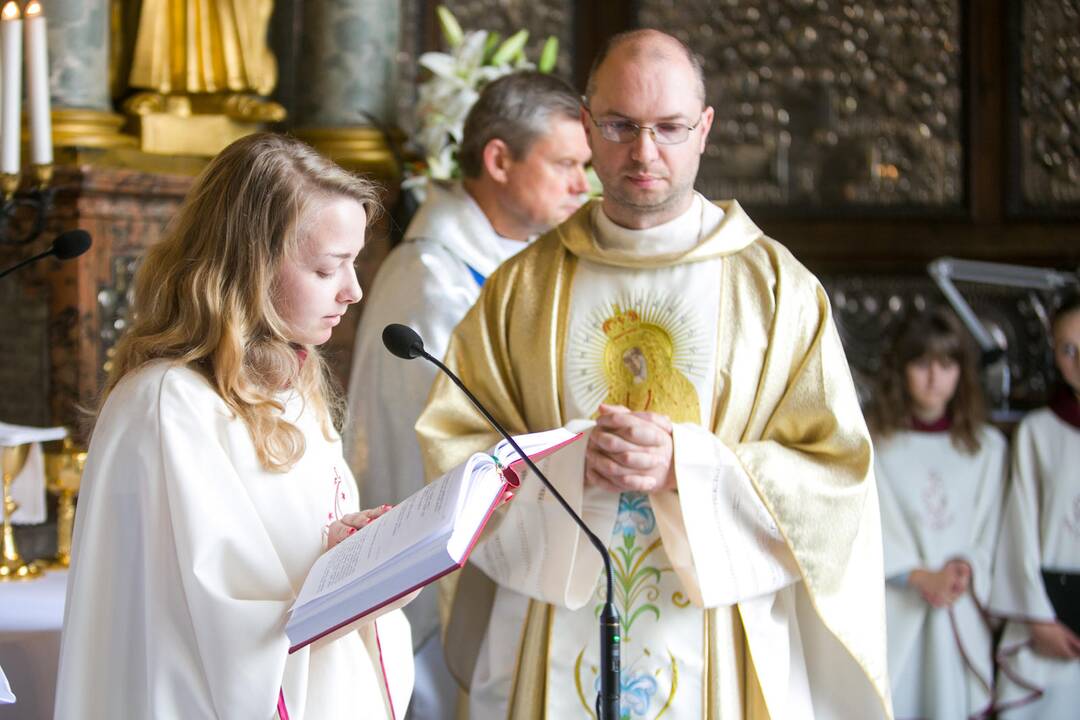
727	462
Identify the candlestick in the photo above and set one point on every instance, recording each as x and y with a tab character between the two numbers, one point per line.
37	85
12	566
11	70
63	474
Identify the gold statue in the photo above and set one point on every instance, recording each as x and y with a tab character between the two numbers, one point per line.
200	61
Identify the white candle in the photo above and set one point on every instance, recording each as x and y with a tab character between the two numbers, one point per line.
11	57
37	85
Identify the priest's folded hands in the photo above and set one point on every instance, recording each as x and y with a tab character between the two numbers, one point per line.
630	451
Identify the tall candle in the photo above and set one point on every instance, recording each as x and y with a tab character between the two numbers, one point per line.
37	85
11	70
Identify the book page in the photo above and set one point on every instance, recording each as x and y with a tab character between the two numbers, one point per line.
534	444
420	519
484	490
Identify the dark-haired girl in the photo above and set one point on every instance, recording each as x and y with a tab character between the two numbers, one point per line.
941	476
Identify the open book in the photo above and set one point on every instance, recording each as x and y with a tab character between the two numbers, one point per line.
422	538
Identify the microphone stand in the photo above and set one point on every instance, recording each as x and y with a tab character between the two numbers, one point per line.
607	699
27	261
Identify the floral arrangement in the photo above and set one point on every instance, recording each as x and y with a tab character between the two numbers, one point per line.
474	59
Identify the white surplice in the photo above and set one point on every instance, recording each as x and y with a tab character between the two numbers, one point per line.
939	503
428	282
187	557
1040	531
663	591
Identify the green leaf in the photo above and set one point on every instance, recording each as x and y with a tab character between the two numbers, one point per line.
549	55
510	47
492	43
451	29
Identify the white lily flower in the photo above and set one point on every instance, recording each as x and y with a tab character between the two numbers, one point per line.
445	98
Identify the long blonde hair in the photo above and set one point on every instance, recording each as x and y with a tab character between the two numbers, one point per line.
204	295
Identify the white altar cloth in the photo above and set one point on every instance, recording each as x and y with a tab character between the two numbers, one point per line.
31	615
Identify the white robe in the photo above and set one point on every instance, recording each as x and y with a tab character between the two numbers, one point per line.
187	557
1040	531
428	282
939	503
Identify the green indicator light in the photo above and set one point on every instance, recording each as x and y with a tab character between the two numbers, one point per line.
616	638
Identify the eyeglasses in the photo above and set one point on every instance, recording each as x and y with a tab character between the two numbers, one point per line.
624	131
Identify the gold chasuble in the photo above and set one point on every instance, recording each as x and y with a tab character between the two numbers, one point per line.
753	591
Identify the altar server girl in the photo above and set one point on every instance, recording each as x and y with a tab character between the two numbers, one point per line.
215	476
941	473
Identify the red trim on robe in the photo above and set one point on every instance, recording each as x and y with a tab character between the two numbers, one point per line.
282	711
942	424
1065	405
382	666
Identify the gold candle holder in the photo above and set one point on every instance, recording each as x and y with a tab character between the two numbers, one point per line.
9	183
42	174
63	475
12	566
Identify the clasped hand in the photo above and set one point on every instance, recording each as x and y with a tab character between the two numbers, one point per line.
943	587
1055	639
630	451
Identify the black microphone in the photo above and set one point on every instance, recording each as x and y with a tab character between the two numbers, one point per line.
407	344
67	245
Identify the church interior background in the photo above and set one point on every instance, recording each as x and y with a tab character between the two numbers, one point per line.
869	136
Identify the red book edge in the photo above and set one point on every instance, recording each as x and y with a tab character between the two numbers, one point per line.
511	481
511	473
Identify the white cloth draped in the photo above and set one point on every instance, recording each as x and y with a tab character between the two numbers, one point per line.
1040	531
28	489
187	556
939	503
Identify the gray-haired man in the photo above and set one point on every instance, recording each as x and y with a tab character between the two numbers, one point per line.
522	156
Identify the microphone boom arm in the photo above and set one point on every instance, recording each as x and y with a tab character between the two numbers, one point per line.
597	543
405	343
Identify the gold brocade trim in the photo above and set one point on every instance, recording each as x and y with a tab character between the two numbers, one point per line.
528	690
721	385
708	670
754	705
577	685
562	292
89	128
735	232
362	149
674	685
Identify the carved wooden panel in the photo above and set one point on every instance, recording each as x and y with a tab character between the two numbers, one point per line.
24	346
68	310
1048	118
827	105
869	310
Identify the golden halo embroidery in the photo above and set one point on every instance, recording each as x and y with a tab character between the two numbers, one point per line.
639	351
